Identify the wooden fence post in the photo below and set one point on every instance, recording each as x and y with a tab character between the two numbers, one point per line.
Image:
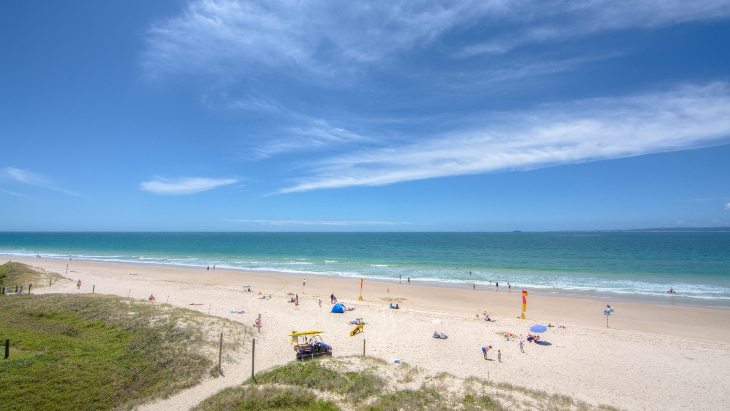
253	359
363	347
7	349
93	289
29	287
220	355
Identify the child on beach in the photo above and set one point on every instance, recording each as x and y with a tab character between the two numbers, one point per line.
499	355
78	285
522	346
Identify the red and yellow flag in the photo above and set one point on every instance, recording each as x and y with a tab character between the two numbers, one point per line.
524	301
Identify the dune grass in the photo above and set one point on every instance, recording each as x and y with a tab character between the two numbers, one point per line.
94	352
312	374
265	398
12	274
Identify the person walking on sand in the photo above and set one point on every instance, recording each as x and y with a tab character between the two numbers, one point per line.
78	285
304	283
522	346
320	303
499	355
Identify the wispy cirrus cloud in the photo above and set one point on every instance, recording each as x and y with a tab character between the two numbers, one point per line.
339	223
13	193
35	179
222	37
184	185
727	206
566	133
562	20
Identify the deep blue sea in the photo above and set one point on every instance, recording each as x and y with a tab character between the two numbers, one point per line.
636	265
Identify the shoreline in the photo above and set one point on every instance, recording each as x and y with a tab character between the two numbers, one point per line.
654	354
602	296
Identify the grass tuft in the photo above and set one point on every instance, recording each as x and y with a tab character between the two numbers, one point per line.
410	400
265	399
312	374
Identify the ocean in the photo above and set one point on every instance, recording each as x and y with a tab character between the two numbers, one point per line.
635	266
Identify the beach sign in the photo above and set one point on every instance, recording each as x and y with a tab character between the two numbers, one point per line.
607	312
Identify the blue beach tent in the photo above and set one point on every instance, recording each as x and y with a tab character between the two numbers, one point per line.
338	308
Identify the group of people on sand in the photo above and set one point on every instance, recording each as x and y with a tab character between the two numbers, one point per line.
486	317
394	307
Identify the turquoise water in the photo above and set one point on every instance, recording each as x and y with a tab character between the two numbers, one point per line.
635	265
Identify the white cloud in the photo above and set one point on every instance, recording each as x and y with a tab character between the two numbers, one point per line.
589	130
561	20
38	180
321	222
219	36
13	193
727	206
225	36
184	185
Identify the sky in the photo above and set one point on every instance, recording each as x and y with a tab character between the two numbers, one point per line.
491	115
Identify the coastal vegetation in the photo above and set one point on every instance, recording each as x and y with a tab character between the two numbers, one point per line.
372	384
84	352
14	273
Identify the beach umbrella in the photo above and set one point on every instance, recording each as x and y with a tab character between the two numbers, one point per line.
538	328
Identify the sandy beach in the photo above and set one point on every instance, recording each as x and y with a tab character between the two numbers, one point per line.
652	357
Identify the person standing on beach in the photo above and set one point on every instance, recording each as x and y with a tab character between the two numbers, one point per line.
485	350
78	285
304	283
409	280
522	346
208	268
499	355
332	298
497	284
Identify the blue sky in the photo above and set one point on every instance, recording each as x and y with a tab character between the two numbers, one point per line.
364	116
